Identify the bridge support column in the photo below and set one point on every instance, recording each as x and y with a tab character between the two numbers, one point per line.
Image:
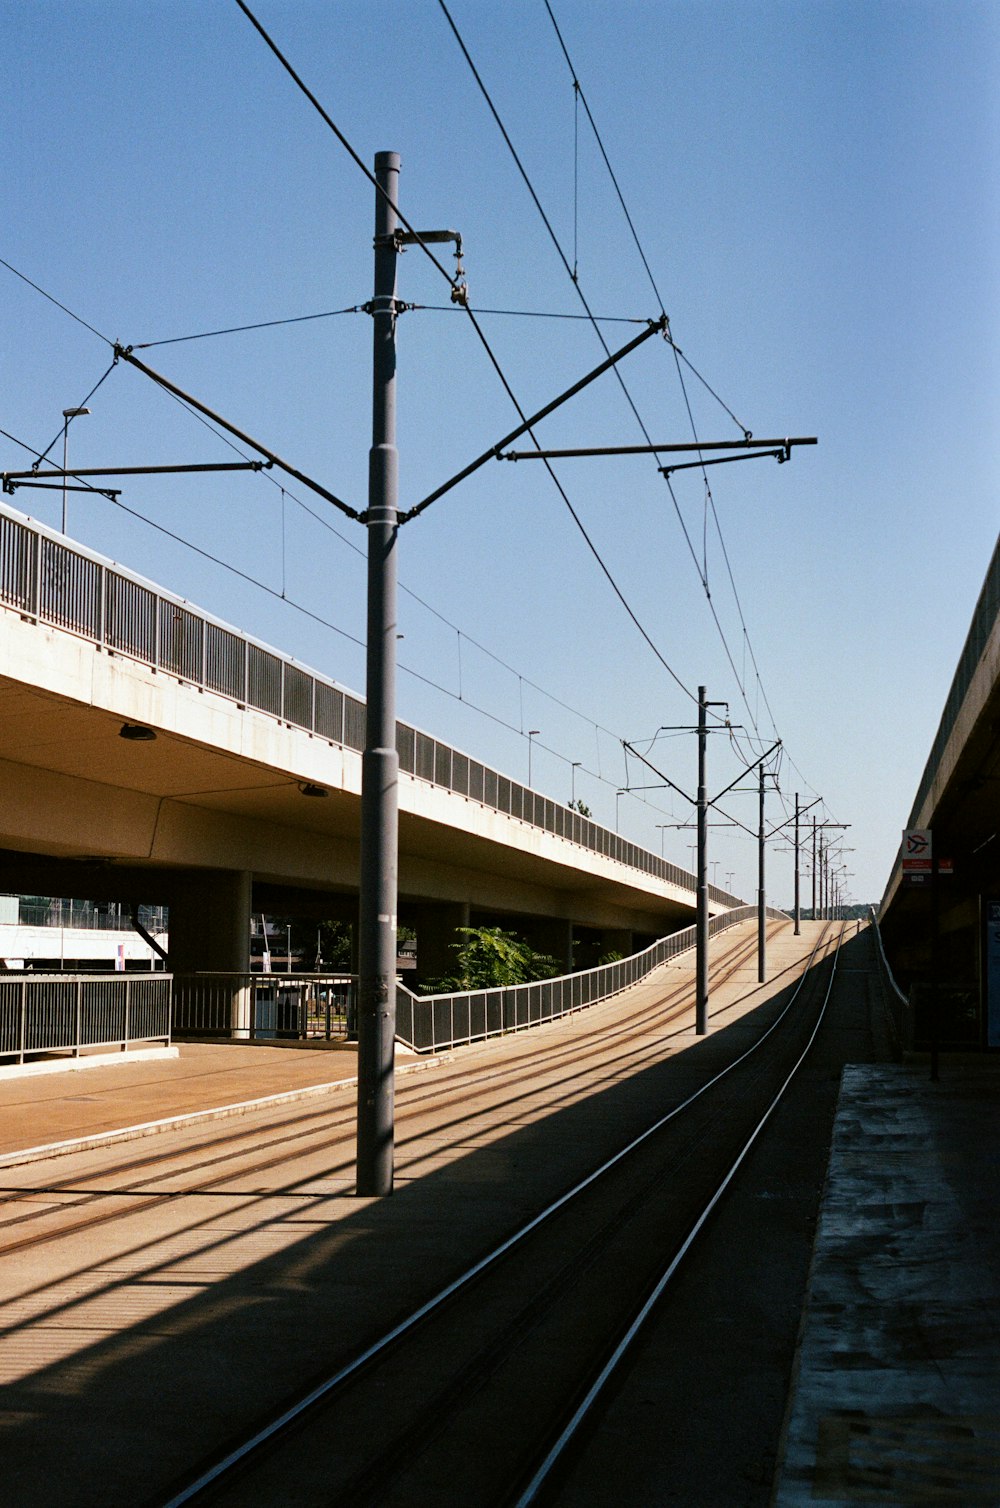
553	936
437	927
616	940
210	929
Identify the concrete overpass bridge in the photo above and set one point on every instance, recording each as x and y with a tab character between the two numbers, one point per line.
948	926
151	753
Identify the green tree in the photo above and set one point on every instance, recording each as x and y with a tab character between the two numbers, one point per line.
581	807
489	957
335	944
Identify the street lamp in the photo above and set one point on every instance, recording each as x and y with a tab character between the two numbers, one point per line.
618	797
729	880
68	414
573	769
532	733
663	834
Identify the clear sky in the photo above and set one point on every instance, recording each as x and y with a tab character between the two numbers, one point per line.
813	186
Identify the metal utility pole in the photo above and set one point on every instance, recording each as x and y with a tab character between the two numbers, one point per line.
380	767
699	849
382	518
814	917
798	911
701	915
761	897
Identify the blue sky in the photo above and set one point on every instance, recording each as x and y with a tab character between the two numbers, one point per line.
813	186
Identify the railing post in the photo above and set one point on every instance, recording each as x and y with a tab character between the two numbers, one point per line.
22	1034
128	1003
37	573
102	605
79	1017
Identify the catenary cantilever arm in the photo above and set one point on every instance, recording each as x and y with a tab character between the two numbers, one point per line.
127	354
654	327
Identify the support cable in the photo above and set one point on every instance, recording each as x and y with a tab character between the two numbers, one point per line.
303	86
264	324
678	356
82	404
53	300
459	293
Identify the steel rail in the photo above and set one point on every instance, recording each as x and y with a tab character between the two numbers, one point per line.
291	1131
570	1430
239	1455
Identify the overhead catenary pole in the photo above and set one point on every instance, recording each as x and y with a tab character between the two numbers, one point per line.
798	909
761	898
701	916
814	917
380	766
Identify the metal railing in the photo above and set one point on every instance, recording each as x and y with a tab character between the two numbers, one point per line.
264	1007
66	1013
432	1023
895	1003
47	580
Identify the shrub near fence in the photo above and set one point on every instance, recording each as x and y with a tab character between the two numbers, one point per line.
431	1023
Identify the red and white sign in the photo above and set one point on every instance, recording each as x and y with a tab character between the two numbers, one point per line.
917	853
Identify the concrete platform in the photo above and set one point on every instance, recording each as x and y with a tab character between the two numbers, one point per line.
897	1393
43	1116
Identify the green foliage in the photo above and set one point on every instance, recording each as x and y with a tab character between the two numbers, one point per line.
581	807
335	944
491	957
613	956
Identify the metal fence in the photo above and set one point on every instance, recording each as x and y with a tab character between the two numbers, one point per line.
47	580
894	1002
66	1013
431	1023
264	1007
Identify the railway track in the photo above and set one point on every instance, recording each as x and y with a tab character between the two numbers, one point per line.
140	1176
480	1392
383	1413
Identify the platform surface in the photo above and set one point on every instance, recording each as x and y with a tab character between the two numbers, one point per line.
897	1394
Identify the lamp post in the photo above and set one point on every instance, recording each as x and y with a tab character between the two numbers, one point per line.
618	797
573	769
663	835
532	733
68	414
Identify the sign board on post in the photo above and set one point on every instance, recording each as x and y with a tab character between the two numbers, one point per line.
917	856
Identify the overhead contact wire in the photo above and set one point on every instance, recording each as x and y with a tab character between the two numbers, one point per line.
678	355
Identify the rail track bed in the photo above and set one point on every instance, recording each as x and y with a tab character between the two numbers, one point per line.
186	1301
